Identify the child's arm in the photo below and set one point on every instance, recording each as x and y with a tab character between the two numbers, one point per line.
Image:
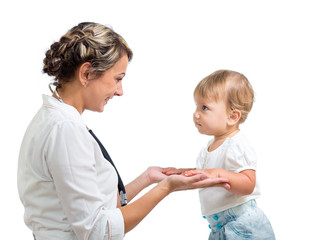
241	183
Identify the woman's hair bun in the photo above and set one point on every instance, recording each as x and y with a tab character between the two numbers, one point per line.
87	42
52	61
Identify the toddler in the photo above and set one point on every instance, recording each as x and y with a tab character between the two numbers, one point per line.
223	101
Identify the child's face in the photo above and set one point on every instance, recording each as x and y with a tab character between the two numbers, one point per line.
210	117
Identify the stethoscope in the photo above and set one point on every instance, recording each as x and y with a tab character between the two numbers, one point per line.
121	188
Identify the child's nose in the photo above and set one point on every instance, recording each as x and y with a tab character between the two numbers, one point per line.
196	115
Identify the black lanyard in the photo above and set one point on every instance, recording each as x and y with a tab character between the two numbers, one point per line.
121	188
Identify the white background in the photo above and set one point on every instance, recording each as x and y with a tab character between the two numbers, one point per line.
175	45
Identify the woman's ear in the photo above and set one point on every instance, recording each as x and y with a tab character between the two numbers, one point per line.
84	73
234	117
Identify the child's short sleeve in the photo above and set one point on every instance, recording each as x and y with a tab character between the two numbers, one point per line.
240	156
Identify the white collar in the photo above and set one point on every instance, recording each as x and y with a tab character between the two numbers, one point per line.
68	110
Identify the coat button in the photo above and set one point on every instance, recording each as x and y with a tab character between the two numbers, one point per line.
215	217
219	226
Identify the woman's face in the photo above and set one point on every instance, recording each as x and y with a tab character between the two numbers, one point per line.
99	91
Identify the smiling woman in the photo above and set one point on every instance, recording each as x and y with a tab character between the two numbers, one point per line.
67	181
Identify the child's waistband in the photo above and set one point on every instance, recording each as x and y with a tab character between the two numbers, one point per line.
217	220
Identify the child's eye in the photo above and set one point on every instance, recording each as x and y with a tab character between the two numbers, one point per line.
205	108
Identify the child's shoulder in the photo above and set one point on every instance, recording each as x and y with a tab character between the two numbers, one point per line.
238	139
239	143
240	153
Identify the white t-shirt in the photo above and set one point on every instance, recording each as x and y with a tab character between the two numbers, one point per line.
68	189
235	155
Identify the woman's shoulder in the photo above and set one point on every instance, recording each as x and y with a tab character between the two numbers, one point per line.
54	117
55	112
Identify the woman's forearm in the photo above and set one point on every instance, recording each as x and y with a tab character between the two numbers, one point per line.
137	185
148	177
135	212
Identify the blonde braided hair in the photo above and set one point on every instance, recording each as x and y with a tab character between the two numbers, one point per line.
87	42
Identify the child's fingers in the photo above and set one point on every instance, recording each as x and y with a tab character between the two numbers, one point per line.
170	171
191	173
177	171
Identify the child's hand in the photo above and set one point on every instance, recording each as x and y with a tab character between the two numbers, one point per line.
175	171
190	173
212	173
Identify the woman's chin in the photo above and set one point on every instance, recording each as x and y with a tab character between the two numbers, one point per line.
97	109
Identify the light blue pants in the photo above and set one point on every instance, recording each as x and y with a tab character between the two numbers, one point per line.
245	221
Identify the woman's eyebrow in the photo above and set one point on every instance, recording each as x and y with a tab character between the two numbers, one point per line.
123	73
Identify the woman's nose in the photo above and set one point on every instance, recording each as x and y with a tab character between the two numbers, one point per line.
119	90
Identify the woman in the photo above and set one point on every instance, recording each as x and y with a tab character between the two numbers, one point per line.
66	180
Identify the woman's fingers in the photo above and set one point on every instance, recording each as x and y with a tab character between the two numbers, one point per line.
211	182
179	182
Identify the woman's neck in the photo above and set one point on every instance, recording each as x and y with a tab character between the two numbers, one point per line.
70	96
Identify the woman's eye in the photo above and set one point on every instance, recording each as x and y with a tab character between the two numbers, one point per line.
205	108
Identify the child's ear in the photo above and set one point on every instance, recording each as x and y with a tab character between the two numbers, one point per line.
234	117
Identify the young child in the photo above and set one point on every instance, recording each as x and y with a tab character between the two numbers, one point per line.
223	101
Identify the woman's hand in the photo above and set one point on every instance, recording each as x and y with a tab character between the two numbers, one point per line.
134	213
198	180
148	177
155	174
211	173
211	176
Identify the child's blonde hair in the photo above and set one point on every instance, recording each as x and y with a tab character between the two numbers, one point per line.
233	87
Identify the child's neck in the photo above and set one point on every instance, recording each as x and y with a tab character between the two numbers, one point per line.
219	139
